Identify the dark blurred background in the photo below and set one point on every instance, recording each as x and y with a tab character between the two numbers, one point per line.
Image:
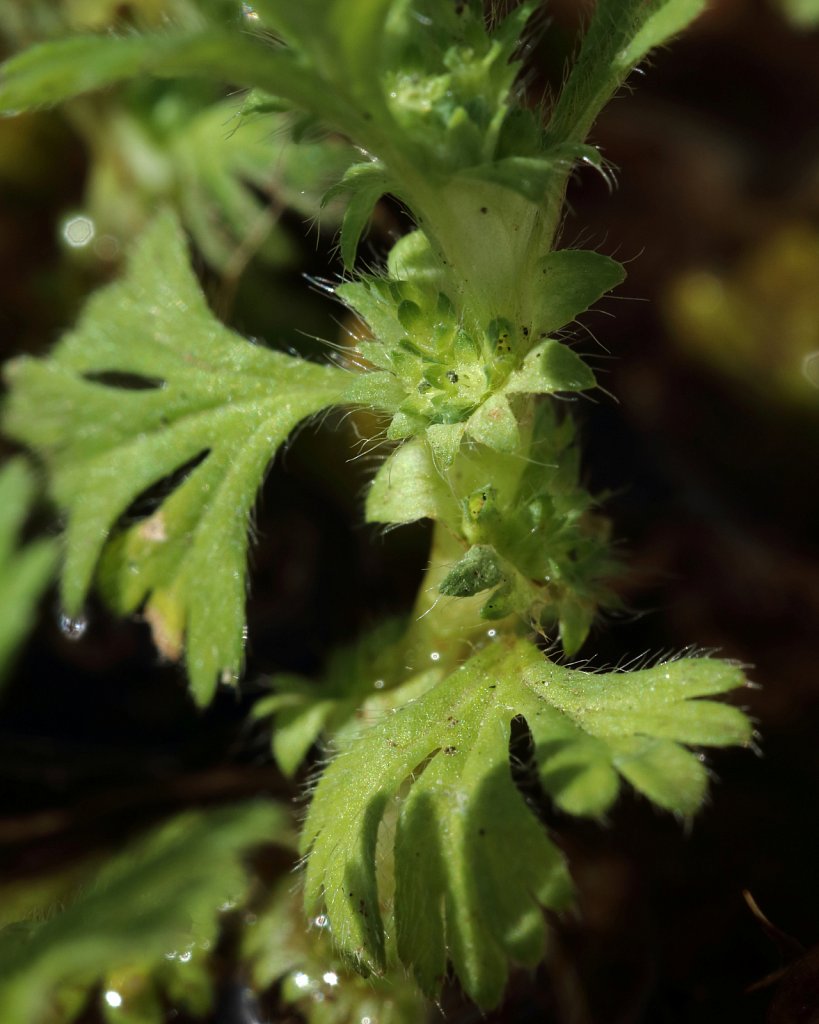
708	442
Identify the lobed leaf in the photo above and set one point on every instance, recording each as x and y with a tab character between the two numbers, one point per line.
361	681
232	173
156	901
472	866
194	392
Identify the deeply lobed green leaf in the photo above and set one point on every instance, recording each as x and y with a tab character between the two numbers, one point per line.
472	867
152	908
149	383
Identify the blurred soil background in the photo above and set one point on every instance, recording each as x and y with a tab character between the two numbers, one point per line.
708	442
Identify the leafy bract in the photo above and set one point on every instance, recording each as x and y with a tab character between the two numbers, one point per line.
436	375
152	909
472	866
24	570
532	538
150	383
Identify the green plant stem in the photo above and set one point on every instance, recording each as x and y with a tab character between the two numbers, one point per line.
448	627
439	625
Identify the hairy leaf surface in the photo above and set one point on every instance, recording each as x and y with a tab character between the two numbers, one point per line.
472	866
191	390
620	35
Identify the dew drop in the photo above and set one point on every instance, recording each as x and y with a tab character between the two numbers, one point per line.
435	656
73	627
330	978
301	980
185	957
321	921
113	998
78	231
379	684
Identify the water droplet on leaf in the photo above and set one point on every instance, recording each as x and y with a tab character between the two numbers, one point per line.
73	627
78	231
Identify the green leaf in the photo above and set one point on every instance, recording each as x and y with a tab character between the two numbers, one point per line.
409	487
24	571
550	367
158	899
412	258
476	571
202	393
52	72
232	174
364	183
567	283
55	71
531	176
575	619
362	682
444	440
668	19
494	424
472	866
621	33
